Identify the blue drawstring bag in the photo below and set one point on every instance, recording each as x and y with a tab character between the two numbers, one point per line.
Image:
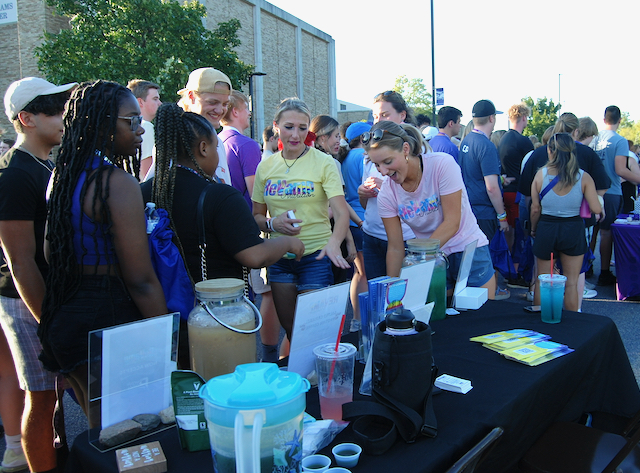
501	257
170	268
527	259
518	242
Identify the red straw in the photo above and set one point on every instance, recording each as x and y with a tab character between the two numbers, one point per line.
333	364
551	272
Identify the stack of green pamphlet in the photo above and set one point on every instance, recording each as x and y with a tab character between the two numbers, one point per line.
524	346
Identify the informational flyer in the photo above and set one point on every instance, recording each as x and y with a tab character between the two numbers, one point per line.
317	321
136	369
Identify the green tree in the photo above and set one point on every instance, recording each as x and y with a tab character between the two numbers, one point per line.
415	93
119	40
543	115
629	129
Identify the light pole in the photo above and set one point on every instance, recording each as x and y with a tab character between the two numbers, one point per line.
253	133
433	72
559	99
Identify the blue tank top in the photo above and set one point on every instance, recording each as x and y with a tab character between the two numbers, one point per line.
92	241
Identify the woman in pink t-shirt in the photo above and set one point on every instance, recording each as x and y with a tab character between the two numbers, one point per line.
426	191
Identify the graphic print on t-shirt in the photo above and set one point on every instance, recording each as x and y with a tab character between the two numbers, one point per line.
419	209
288	190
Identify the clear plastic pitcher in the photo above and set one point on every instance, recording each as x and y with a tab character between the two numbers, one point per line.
255	418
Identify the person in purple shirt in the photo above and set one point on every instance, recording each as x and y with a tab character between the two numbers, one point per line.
449	124
243	153
243	157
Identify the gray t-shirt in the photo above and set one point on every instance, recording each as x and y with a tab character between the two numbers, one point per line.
609	144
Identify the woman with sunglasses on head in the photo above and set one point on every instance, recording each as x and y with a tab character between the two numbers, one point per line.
100	271
303	180
427	192
588	161
556	224
389	106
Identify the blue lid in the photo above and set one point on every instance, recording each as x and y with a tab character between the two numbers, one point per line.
254	385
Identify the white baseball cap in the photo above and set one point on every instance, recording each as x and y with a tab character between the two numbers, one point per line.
22	92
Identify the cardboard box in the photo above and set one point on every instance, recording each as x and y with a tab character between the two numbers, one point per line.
471	298
144	458
468	297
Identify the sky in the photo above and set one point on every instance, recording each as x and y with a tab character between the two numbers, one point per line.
584	54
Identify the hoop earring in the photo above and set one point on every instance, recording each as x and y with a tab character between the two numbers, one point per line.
406	157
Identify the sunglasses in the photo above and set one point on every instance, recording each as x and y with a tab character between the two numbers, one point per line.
135	121
376	135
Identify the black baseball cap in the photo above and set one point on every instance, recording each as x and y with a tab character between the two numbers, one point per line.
484	108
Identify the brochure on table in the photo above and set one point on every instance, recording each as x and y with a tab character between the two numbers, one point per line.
317	321
130	370
468	297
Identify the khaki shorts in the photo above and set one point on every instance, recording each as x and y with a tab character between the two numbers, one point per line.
257	281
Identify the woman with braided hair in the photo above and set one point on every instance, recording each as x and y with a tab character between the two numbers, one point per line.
100	272
186	159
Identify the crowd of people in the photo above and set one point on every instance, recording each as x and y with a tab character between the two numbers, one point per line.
319	203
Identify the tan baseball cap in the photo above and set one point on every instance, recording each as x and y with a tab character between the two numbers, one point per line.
205	79
22	92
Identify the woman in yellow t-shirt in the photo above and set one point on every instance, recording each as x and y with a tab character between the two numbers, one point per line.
304	180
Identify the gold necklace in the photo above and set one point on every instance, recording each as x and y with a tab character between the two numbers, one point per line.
419	178
294	161
38	160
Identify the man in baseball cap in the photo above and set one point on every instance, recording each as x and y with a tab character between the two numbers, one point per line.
480	164
35	107
207	93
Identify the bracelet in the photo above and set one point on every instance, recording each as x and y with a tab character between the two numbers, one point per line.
360	223
502	216
269	223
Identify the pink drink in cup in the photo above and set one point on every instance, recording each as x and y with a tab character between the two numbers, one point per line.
335	385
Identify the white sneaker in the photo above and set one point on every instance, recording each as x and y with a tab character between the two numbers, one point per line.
355	325
530	296
14	461
588	285
589	293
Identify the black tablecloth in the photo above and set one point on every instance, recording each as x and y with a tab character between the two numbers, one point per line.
521	399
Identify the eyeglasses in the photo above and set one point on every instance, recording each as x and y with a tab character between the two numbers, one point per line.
135	121
376	135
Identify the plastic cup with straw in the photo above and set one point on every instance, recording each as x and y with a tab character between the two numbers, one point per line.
551	295
333	363
335	360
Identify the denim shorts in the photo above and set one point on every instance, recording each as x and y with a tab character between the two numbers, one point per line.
481	268
100	302
357	233
374	252
308	274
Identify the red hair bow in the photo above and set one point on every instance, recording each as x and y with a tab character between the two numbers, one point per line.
309	140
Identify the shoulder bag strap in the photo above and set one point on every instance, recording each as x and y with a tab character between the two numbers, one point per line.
202	236
548	187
